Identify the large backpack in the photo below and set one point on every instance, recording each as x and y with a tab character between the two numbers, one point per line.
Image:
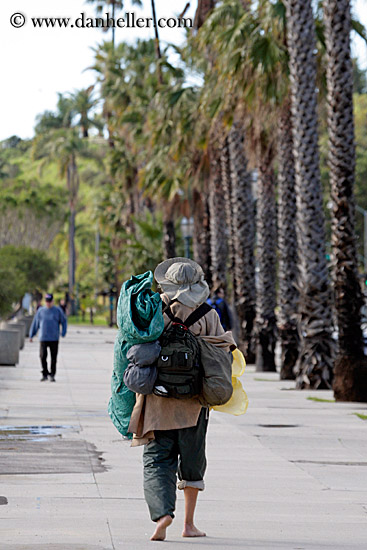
179	366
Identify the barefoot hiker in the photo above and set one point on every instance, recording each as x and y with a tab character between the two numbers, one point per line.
48	320
171	422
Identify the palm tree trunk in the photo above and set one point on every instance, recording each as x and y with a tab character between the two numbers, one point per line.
225	166
348	296
72	255
157	45
314	367
287	245
243	242
73	189
201	237
202	11
218	226
113	27
169	233
265	328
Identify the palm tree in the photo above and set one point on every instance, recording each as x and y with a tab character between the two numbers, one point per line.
315	363
265	322
232	91
64	146
203	9
350	364
83	103
287	246
218	223
112	6
201	236
243	240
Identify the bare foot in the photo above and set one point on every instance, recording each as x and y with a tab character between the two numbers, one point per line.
192	531
160	531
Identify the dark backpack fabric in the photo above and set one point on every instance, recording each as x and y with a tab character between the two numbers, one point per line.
216	364
179	366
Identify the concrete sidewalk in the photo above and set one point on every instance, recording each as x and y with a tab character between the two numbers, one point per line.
290	474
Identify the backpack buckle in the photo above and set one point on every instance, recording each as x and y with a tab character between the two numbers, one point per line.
180	325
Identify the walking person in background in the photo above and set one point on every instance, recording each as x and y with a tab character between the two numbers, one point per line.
48	320
62	305
221	307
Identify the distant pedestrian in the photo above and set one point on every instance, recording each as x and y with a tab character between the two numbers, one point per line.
48	320
62	305
218	303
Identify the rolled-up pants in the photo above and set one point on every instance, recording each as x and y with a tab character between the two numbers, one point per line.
174	452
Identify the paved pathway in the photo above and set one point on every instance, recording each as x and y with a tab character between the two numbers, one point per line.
290	474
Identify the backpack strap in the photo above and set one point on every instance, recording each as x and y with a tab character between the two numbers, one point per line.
192	318
197	314
167	310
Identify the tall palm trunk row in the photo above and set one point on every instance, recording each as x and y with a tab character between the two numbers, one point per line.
350	366
315	361
225	163
287	245
266	230
218	225
243	241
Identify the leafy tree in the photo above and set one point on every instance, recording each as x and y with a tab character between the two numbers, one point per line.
22	270
31	214
11	288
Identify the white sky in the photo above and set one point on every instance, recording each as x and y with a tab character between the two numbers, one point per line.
37	63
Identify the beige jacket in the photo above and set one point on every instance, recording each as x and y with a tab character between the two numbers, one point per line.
152	412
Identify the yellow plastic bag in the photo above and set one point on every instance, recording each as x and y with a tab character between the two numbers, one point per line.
239	363
238	403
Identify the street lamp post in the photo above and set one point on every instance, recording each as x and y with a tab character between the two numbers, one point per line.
187	229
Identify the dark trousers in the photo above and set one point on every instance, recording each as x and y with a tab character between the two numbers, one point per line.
173	452
54	346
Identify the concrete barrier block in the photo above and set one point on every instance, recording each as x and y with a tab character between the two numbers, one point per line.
9	346
27	320
11	325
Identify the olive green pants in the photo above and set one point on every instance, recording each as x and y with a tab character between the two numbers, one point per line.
174	452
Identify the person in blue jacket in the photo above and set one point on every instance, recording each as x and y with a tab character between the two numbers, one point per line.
218	303
48	320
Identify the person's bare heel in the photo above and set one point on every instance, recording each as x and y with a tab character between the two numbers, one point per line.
160	531
192	531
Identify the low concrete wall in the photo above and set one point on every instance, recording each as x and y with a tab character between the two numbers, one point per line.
20	326
9	347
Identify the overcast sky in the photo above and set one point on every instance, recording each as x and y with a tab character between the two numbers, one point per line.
37	63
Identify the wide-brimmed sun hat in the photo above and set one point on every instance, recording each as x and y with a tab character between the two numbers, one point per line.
182	279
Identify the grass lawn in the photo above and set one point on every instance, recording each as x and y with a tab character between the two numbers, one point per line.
99	321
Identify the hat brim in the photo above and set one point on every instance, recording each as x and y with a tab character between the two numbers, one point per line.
161	269
190	294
